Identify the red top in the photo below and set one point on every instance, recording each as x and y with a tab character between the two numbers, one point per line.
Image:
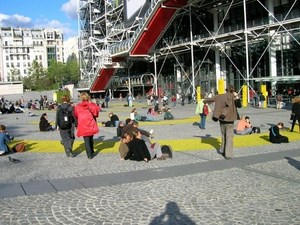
86	113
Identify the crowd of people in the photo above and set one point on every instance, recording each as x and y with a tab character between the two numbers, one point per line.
81	120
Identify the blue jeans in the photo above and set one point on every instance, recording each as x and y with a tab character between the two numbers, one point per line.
202	121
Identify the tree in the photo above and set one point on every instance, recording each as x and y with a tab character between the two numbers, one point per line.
36	79
58	74
72	70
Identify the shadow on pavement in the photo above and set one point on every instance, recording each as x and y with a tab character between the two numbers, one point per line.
172	215
265	137
210	140
293	162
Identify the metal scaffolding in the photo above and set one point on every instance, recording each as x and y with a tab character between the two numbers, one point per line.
239	41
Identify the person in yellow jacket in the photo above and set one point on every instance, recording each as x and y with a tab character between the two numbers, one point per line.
203	110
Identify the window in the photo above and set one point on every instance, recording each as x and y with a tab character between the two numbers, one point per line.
7	57
7	65
40	57
18	64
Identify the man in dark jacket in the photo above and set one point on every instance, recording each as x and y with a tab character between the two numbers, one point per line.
225	111
65	121
275	136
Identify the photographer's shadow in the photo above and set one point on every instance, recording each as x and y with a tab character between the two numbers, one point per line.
210	140
171	216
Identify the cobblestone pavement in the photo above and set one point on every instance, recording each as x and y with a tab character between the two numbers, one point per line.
261	185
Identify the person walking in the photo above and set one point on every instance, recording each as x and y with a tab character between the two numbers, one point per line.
65	122
279	101
86	113
203	110
107	98
225	111
296	112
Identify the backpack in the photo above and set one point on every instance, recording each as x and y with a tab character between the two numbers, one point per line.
167	151
205	110
256	130
65	118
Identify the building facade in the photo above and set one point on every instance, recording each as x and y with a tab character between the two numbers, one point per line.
179	45
19	47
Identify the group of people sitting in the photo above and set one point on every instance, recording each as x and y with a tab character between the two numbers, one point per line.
244	127
135	144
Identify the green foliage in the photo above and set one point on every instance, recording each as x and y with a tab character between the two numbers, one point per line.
58	74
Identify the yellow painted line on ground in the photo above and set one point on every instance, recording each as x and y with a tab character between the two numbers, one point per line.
198	143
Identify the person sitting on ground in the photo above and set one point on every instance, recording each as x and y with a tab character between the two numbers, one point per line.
145	134
157	109
168	115
134	115
45	124
123	126
123	147
139	151
244	126
113	122
275	136
4	139
151	111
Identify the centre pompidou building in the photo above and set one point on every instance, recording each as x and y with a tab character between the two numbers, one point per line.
173	46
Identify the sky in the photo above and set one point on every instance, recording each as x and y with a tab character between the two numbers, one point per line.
57	14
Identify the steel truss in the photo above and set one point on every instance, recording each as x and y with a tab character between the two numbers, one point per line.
222	40
104	36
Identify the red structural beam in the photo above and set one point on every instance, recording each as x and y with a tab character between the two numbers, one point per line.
158	23
102	79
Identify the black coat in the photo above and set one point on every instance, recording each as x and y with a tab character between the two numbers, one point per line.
276	137
296	110
44	124
137	150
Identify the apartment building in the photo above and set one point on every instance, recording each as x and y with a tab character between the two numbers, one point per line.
19	47
174	46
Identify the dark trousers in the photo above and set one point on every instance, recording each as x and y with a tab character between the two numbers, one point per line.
293	124
89	146
281	139
67	137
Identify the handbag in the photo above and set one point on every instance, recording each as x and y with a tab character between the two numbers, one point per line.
292	116
20	147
